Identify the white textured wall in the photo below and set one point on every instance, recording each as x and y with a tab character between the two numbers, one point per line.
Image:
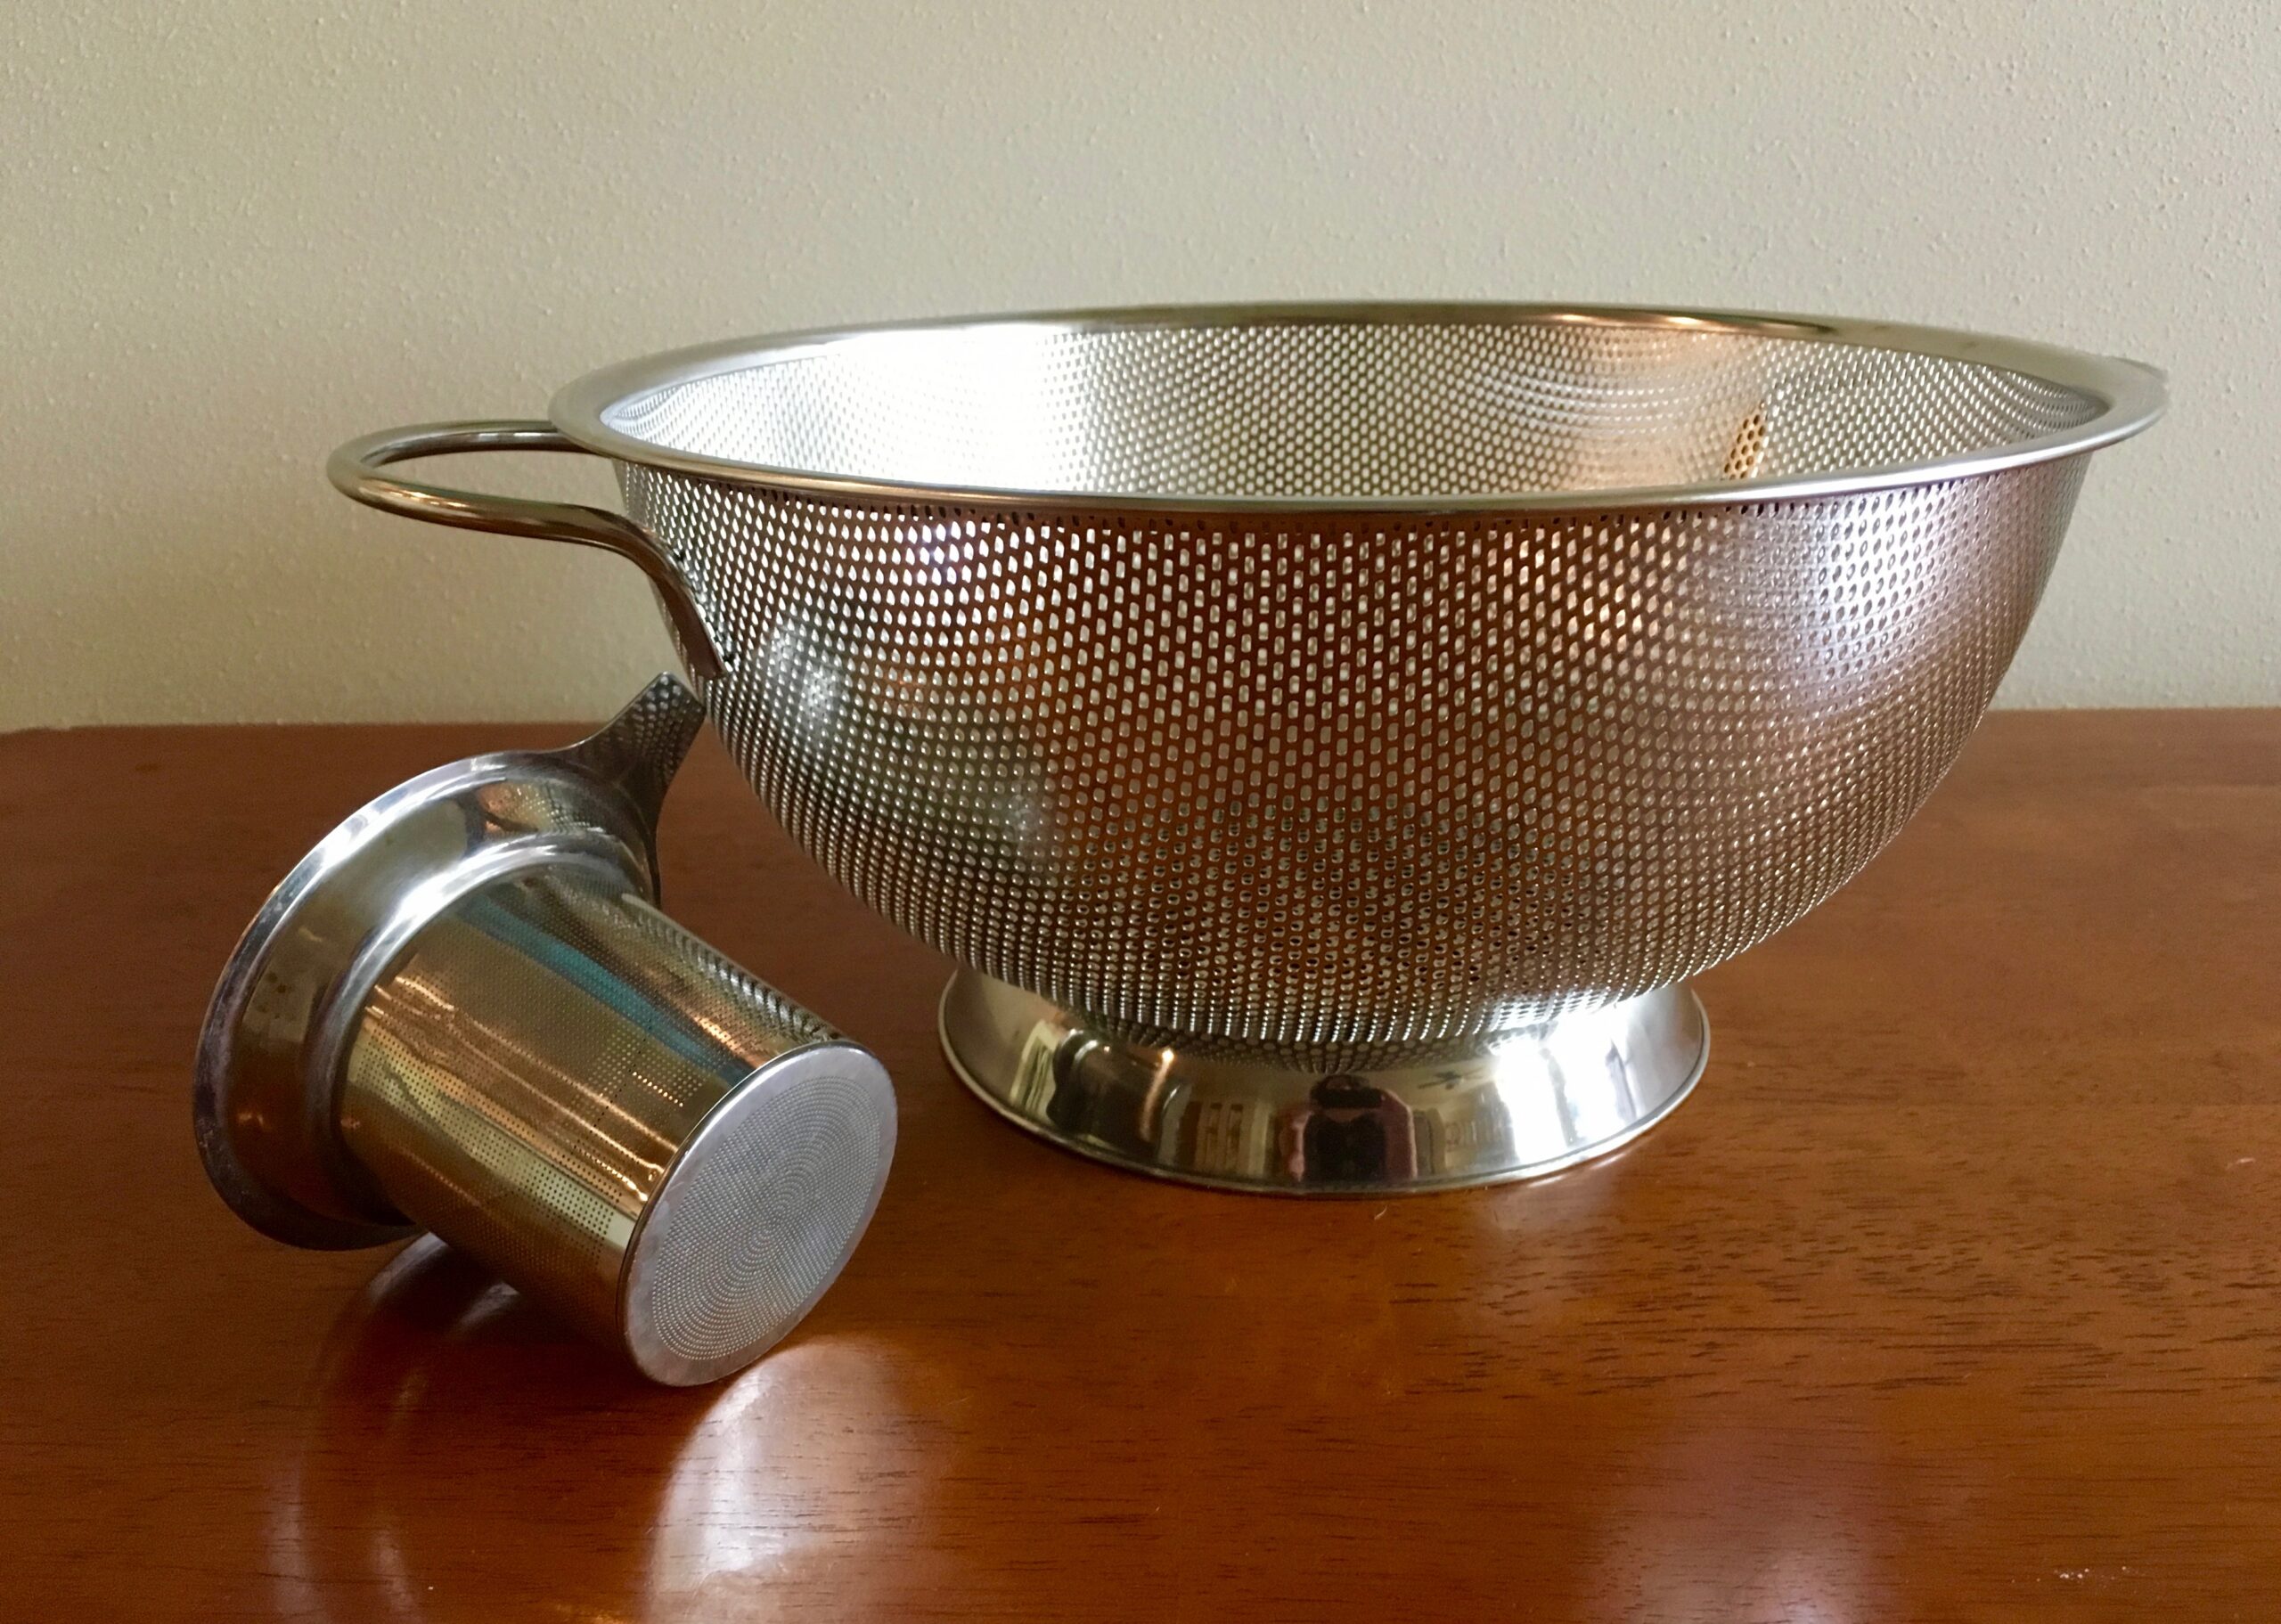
236	231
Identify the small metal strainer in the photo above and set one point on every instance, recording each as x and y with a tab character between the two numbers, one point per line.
462	1012
1332	736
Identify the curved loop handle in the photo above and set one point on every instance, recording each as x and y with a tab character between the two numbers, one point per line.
355	470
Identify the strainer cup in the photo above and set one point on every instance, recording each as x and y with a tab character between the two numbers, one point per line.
1330	736
463	1013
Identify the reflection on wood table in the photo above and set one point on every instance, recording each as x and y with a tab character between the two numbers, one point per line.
1953	1291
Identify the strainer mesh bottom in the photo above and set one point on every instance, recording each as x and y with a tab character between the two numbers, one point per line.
751	1233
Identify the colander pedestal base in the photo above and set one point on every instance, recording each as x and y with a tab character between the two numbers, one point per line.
1517	1106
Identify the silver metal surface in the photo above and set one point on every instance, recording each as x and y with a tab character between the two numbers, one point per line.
463	1013
1161	408
1528	1103
560	1081
354	471
1318	686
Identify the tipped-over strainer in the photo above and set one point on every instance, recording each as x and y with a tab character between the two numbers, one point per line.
1331	736
462	1012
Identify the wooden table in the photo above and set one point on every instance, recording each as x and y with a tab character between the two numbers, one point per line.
1954	1293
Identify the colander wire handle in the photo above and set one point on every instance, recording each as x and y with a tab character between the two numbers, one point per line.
355	470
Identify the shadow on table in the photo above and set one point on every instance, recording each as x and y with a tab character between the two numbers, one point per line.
469	1454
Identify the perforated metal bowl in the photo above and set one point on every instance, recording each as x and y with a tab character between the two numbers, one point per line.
1256	696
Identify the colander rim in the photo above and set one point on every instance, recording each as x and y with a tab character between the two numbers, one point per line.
2131	396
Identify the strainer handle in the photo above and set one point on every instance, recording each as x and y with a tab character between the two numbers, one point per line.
355	470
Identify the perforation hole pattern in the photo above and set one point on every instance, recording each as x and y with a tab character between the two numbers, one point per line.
749	1238
1297	783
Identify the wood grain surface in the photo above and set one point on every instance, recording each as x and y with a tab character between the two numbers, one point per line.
1954	1293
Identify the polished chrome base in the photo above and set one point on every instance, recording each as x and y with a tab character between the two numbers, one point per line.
1517	1106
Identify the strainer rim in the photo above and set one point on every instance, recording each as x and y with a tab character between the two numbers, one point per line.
2131	396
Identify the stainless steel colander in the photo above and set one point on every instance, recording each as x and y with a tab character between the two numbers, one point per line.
1331	736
